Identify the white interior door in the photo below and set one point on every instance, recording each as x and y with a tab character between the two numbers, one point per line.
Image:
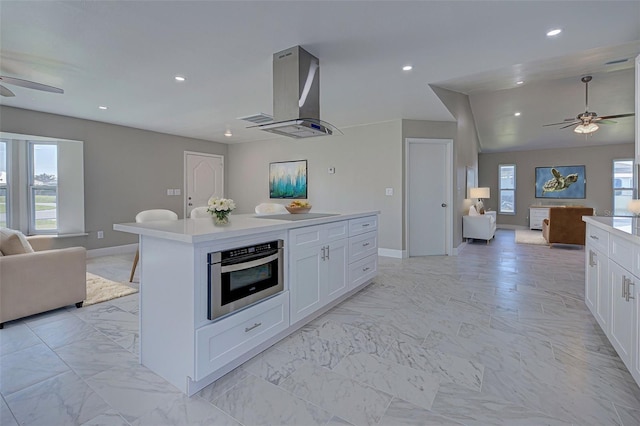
204	178
428	196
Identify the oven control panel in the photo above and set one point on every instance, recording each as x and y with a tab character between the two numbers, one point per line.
248	251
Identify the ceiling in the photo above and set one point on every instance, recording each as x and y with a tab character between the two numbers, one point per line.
125	54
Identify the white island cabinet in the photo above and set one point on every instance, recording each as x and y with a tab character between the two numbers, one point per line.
612	283
180	343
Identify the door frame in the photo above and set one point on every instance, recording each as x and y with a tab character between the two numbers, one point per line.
184	175
448	183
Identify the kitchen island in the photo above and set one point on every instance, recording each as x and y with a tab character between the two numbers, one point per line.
612	283
325	259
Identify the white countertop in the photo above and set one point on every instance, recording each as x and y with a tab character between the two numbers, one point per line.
203	229
626	227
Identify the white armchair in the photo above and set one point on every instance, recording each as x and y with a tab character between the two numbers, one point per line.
481	227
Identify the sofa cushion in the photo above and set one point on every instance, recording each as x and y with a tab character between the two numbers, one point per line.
13	242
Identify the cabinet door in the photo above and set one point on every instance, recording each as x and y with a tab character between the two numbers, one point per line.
305	272
336	262
591	280
635	292
622	313
603	291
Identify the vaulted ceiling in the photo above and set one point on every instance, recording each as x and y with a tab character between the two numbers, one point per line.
125	54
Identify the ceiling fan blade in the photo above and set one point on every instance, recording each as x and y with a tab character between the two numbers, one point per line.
30	84
6	92
607	122
618	116
569	125
564	122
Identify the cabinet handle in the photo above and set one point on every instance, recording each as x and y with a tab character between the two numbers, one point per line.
256	325
591	256
327	252
593	237
324	256
365	269
624	287
629	296
365	244
364	225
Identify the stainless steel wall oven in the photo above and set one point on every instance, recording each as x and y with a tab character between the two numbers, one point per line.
243	276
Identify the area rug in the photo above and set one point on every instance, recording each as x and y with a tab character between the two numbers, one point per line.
527	236
100	289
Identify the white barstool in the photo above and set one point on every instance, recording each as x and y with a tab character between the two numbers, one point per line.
199	212
149	216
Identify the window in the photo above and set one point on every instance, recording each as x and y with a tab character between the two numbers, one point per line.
41	184
622	186
43	187
507	188
4	193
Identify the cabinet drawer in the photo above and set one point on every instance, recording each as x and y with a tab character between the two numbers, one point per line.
362	246
598	238
621	252
319	234
223	341
363	270
362	225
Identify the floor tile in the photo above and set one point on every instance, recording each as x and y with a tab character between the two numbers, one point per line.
401	413
223	384
351	400
6	416
68	329
16	336
27	367
133	392
416	386
186	411
257	402
107	418
628	416
61	400
273	365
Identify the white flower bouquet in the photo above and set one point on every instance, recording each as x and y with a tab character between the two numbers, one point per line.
220	209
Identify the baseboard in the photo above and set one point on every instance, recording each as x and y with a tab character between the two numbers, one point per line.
110	251
458	250
513	227
398	254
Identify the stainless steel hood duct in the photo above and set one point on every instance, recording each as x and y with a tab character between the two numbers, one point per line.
296	96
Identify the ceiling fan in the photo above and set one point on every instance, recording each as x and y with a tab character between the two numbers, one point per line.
24	83
586	121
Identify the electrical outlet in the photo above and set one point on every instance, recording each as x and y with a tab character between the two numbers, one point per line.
388	191
331	170
100	234
169	191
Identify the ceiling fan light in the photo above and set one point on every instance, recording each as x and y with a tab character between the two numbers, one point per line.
586	128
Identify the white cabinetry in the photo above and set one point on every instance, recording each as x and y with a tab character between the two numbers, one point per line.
597	288
611	291
363	250
318	259
623	312
221	342
536	216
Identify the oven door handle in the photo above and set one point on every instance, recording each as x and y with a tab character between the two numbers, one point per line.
251	264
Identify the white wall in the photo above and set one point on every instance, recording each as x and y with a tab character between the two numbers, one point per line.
367	160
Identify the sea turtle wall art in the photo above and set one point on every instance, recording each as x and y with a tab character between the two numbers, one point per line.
560	182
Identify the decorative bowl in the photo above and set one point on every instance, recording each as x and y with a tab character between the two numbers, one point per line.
296	210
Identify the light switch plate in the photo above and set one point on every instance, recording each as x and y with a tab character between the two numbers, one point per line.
176	191
331	170
169	191
388	191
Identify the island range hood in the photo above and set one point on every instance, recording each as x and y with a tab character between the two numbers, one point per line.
296	96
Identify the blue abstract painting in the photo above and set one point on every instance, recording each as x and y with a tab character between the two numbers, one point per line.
560	182
288	179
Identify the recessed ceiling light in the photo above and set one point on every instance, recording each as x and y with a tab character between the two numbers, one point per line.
407	68
102	107
519	82
554	32
179	78
517	114
228	133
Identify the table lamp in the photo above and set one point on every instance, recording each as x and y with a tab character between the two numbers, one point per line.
480	194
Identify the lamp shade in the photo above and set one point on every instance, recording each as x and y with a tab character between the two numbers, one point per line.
586	128
483	192
634	207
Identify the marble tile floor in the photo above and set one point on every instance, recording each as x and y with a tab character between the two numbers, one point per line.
498	335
